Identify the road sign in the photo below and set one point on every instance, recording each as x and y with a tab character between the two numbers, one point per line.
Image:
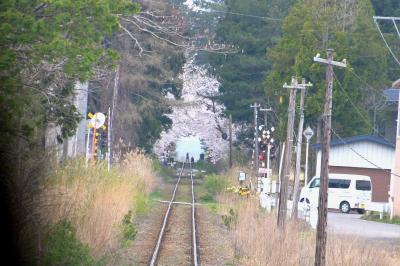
242	176
98	120
264	171
308	133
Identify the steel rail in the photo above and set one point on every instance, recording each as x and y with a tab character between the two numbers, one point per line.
195	258
160	236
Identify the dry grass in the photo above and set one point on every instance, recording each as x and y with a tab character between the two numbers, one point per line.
258	241
94	199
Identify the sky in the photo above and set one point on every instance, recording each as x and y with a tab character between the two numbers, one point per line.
191	145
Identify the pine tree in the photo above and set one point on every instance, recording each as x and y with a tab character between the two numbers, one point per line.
311	27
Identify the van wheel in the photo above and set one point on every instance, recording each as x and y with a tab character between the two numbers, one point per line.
345	207
360	211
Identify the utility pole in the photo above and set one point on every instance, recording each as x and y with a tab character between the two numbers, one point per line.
230	141
255	107
320	251
283	194
296	192
113	112
394	193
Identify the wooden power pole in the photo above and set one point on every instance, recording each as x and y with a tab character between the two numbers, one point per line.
283	194
296	187
320	251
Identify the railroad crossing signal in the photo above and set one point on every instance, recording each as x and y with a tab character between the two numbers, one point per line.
97	121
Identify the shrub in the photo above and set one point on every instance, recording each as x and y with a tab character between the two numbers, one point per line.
215	184
165	172
375	216
142	203
206	198
64	248
230	220
128	230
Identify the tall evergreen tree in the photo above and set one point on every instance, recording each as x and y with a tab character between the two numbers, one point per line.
311	27
46	47
252	26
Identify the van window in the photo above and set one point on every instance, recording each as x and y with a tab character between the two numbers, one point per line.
334	183
339	183
315	183
345	183
363	185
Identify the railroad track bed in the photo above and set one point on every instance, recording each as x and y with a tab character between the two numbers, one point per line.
176	248
212	241
177	240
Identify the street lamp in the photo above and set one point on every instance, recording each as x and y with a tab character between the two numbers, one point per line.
308	133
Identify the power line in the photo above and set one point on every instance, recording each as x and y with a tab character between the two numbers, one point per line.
361	156
387	45
363	81
367	85
358	110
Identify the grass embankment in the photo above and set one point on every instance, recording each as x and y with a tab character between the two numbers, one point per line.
375	216
212	185
258	241
92	210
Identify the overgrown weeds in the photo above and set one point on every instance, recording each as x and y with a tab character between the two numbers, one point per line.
375	216
98	202
258	240
166	173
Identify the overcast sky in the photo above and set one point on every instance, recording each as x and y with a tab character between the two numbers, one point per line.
188	144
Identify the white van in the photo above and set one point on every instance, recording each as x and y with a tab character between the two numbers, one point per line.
345	192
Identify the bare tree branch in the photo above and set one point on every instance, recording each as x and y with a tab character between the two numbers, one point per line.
141	50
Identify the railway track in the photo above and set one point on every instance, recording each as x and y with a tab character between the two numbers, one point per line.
177	240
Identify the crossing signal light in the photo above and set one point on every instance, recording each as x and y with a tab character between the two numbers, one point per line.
263	146
103	140
272	153
96	142
96	138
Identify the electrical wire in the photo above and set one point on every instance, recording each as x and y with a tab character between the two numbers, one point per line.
360	79
361	156
387	45
358	110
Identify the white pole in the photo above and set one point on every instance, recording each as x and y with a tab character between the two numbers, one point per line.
268	155
87	145
109	140
306	170
76	141
278	179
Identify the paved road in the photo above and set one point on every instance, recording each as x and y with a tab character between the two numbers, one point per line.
342	223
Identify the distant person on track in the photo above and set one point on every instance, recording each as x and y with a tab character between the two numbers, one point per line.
192	161
187	157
